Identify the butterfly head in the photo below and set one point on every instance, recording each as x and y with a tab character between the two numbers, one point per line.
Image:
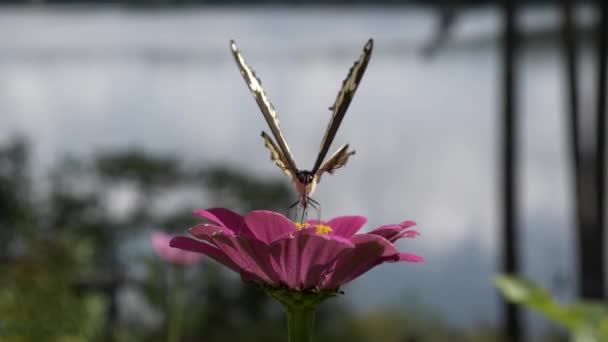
305	184
305	177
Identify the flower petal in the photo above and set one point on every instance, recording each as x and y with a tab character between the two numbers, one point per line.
205	232
186	258
303	259
346	226
268	226
391	231
192	245
408	234
251	255
160	242
223	217
369	250
410	257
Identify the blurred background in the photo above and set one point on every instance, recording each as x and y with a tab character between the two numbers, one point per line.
119	118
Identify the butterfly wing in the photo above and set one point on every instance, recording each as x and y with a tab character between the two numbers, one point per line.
345	96
277	156
255	85
336	161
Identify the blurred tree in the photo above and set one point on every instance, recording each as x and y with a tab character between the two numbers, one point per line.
77	208
16	202
65	256
86	187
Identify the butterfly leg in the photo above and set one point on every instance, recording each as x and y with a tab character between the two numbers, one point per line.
294	206
304	203
304	210
316	206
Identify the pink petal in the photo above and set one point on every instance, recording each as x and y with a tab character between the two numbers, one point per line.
391	231
268	226
223	217
251	255
410	257
407	224
185	258
189	244
369	250
303	260
408	234
346	226
160	242
205	231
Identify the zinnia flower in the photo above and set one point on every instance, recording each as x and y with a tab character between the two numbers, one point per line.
267	248
160	242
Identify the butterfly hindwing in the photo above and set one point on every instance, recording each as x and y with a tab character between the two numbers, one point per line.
276	155
336	161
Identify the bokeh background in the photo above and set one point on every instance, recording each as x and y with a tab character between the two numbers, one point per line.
118	119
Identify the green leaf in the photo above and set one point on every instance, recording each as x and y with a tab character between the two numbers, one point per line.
528	294
587	321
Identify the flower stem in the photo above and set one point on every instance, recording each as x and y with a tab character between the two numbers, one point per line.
177	300
300	323
300	307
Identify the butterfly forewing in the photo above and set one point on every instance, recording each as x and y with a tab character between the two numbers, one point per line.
349	86
255	85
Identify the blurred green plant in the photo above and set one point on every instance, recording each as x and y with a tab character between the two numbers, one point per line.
586	321
38	300
62	255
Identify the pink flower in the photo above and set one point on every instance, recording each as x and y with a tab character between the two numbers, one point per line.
160	242
267	248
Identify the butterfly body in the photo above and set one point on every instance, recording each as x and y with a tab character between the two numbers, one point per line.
305	181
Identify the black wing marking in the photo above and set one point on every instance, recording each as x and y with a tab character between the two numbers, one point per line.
255	85
349	86
277	156
336	161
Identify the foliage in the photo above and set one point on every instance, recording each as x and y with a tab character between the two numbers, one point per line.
38	302
586	321
64	254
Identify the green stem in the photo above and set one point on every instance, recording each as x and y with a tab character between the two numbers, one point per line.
300	323
177	300
300	307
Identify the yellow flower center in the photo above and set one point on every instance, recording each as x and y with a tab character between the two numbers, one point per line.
321	228
302	225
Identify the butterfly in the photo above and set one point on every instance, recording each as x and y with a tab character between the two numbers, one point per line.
306	180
